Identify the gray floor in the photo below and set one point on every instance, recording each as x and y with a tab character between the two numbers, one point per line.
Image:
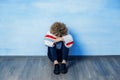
40	68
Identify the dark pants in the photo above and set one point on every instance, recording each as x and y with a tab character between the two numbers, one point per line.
58	54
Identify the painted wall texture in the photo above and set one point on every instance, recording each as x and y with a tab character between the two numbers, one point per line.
94	24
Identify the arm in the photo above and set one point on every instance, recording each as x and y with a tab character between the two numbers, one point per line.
49	40
59	39
68	40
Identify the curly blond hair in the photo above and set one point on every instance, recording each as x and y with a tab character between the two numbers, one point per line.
58	29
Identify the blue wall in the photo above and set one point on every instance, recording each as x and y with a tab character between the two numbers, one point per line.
94	24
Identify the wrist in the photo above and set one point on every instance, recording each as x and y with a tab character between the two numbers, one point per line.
62	39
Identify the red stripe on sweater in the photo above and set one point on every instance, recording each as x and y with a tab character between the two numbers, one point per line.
69	43
49	36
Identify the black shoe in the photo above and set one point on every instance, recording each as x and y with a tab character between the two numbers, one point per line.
63	68
56	69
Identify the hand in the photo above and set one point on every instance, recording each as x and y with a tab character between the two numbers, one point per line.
59	39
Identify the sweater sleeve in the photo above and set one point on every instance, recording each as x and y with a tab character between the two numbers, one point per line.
68	40
49	39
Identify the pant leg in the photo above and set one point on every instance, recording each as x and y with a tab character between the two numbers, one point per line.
52	53
59	55
65	52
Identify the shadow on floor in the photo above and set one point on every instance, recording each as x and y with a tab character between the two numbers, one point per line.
73	60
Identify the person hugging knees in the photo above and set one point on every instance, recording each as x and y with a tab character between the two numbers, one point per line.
58	41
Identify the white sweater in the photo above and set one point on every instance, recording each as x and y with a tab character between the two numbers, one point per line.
49	40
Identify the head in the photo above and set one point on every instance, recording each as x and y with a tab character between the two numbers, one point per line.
58	29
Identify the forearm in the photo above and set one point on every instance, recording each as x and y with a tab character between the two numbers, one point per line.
59	39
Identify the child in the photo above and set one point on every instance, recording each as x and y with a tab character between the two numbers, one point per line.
58	41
